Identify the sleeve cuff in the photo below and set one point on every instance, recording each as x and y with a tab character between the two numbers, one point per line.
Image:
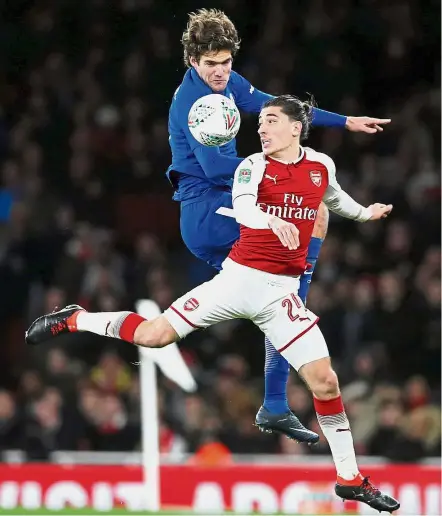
328	119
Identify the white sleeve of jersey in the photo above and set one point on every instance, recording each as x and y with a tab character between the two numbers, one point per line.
337	200
247	178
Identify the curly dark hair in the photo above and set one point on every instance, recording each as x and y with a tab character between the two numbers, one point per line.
208	30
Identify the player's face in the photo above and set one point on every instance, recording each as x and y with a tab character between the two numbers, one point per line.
214	69
277	132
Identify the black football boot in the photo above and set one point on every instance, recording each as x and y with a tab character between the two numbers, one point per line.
287	424
51	325
366	492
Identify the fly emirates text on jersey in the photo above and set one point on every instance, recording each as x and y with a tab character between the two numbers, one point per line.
292	208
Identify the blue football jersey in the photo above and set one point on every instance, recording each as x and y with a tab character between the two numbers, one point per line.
196	168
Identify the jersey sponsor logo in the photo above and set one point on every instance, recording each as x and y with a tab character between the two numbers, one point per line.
316	177
289	212
271	178
292	208
244	176
191	304
252	89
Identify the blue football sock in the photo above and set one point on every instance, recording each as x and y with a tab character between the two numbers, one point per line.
276	374
312	256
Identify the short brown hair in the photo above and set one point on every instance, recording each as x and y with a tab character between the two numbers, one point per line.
208	30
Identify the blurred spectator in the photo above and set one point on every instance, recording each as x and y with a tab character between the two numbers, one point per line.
300	401
390	421
112	429
30	387
61	372
111	374
50	426
11	427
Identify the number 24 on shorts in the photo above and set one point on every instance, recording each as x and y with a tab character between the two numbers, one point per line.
288	303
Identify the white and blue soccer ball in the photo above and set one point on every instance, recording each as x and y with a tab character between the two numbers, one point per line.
214	120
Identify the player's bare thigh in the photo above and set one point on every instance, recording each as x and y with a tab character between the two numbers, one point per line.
156	333
321	222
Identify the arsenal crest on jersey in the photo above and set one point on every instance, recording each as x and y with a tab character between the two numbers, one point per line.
316	177
191	304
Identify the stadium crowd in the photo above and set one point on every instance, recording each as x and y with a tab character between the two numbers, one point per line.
86	216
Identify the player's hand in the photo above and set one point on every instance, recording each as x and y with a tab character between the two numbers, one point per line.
287	232
365	124
380	211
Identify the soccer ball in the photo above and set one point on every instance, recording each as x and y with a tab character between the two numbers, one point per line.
214	120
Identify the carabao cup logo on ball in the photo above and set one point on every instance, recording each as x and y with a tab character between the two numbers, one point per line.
214	120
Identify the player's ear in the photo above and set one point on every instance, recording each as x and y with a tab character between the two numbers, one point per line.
193	61
296	128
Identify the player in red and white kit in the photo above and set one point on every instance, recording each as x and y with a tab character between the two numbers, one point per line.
276	197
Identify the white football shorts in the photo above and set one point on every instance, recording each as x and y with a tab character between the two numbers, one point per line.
269	300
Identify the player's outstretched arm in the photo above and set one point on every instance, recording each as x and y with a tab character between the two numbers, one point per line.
342	204
356	124
250	100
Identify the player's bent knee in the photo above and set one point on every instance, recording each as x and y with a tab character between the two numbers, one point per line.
327	386
321	223
155	334
321	379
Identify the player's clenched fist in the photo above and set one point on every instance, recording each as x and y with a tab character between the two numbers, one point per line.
287	232
380	211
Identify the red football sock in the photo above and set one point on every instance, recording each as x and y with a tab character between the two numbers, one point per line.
129	326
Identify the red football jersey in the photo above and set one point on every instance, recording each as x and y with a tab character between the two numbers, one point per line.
290	191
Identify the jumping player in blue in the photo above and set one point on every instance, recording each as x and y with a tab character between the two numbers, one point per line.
202	178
